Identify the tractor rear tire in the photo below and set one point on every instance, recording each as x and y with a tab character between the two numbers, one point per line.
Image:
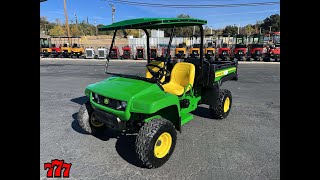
155	142
267	59
86	121
223	108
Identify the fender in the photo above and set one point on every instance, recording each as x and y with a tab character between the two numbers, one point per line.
154	101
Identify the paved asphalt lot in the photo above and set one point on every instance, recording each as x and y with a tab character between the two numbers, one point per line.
246	145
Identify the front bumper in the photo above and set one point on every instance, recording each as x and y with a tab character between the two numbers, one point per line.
224	56
126	57
256	56
45	54
274	56
111	121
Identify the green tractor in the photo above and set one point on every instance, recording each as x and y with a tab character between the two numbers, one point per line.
156	106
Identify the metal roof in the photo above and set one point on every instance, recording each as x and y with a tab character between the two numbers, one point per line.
153	23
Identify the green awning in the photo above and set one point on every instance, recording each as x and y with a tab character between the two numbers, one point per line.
153	23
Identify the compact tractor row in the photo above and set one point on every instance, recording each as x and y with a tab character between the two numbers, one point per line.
238	48
68	47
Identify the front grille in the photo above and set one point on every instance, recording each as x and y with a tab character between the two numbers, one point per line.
101	53
112	103
89	53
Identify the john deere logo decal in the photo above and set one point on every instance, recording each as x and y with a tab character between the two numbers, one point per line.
106	101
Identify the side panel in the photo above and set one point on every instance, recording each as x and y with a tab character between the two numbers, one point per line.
223	72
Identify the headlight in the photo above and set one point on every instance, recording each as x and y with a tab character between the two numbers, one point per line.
95	97
121	105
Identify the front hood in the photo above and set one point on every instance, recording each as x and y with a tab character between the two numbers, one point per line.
121	88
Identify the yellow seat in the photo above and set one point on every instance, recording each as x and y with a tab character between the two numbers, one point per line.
182	74
158	63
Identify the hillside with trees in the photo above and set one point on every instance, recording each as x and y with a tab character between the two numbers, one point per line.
84	28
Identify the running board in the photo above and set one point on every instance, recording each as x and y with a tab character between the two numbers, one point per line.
186	117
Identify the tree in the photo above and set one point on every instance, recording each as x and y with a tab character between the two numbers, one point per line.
183	16
102	32
57	31
249	29
230	30
274	21
180	31
132	32
74	31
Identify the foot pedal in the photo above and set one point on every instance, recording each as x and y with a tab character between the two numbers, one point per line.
184	103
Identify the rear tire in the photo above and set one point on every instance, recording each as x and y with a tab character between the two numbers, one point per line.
223	108
152	150
85	119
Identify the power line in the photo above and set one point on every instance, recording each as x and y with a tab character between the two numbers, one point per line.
252	12
194	6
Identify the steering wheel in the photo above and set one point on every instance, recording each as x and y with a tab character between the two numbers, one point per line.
157	75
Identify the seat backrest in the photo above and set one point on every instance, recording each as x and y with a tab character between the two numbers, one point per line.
183	74
158	63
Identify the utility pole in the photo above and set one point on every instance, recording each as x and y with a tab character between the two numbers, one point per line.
194	30
95	24
260	30
239	29
75	16
66	15
113	10
270	33
211	30
45	29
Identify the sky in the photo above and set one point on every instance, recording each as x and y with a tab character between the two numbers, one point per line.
99	11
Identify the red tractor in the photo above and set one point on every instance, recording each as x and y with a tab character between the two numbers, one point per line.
115	54
273	52
256	47
165	52
140	53
224	51
240	49
55	51
126	52
153	53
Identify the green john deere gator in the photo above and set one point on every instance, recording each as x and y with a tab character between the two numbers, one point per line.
156	106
